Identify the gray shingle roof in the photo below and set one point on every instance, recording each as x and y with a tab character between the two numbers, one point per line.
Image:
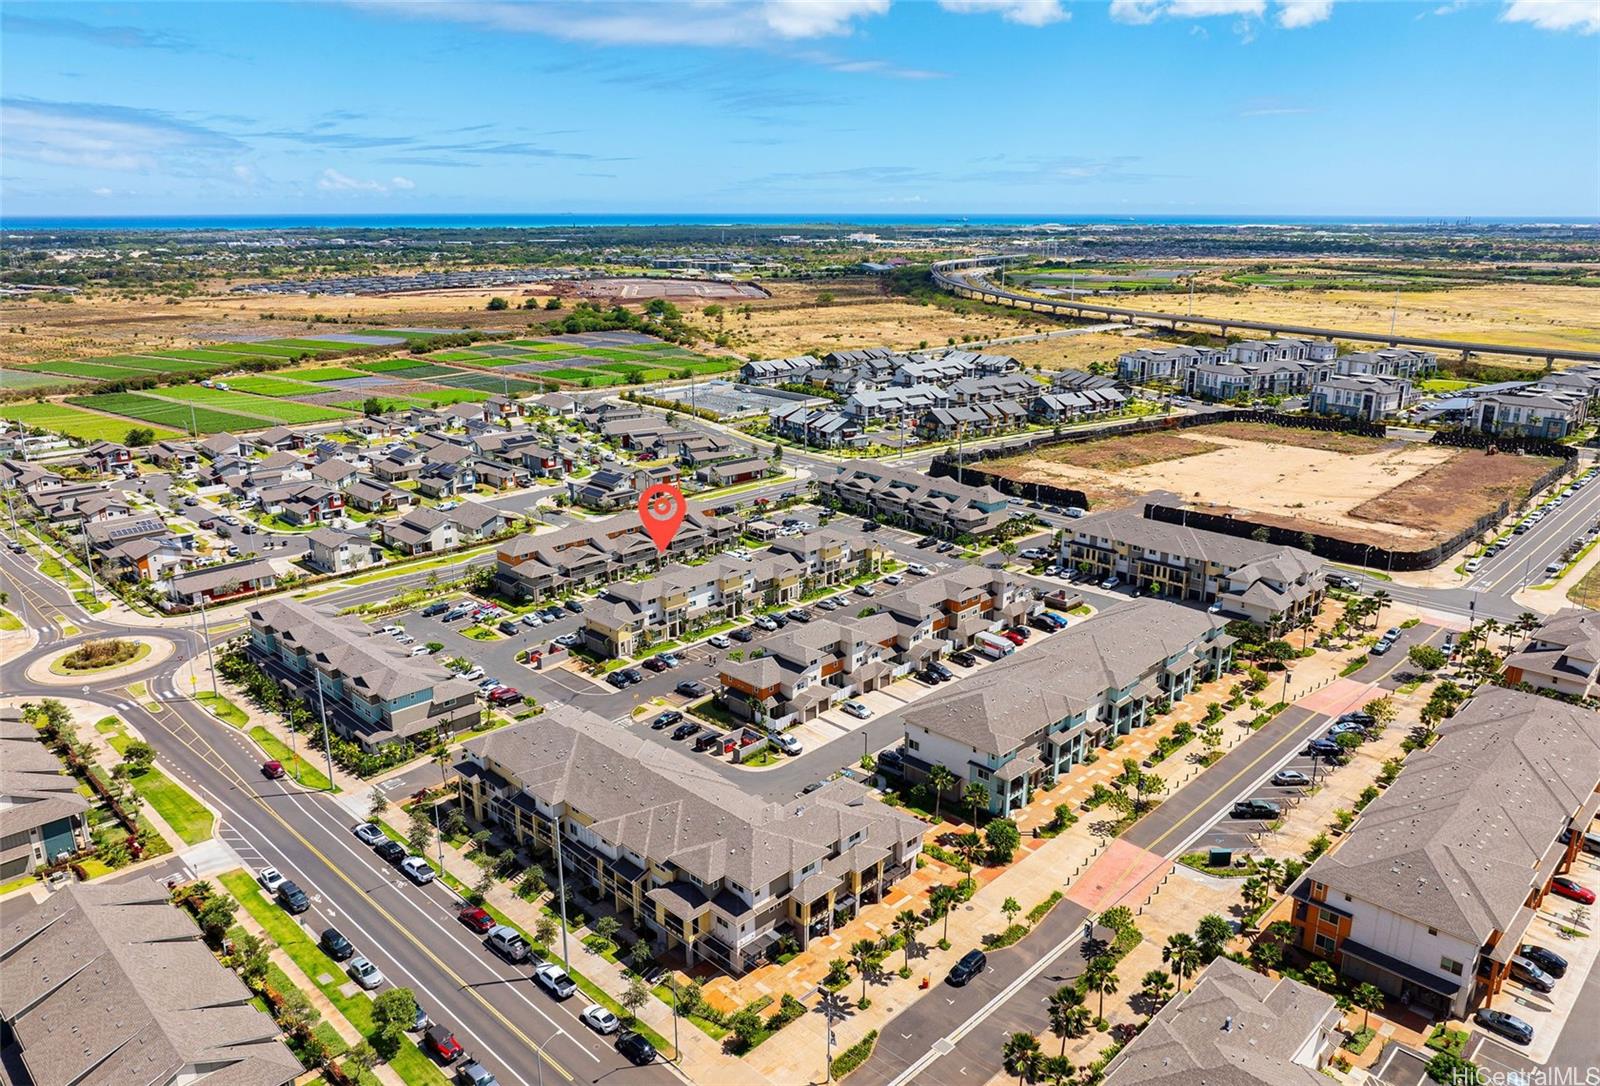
31	779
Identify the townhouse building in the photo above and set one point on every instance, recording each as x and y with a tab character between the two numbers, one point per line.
778	371
173	455
671	603
1255	352
873	405
1431	891
824	428
991	388
1052	407
970	420
808	667
1272	585
1562	655
979	362
330	551
943	507
705	870
1272	376
1083	381
1025	719
1584	380
112	983
1369	398
374	692
208	584
537	566
1388	362
830	556
41	812
420	531
1234	1026
1529	412
930	371
1163	363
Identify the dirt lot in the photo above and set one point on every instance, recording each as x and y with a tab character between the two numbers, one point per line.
687	291
1361	489
1076	352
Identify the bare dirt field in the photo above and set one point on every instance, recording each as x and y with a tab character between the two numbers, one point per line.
691	290
1075	352
1363	489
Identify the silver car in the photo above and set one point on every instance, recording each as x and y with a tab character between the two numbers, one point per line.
364	973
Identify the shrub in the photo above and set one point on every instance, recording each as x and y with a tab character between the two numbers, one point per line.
97	654
855	1055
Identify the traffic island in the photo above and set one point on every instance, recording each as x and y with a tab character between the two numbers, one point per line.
99	660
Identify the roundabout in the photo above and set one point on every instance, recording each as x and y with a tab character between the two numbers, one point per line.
55	670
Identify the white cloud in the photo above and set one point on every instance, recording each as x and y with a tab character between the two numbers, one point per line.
244	173
102	191
1137	12
402	183
1201	9
1580	15
334	181
96	136
1025	12
817	18
1293	14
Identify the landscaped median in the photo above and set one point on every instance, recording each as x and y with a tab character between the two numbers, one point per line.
409	1062
299	770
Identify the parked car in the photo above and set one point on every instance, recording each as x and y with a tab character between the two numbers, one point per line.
1290	778
1021	631
364	973
473	1073
636	1048
665	720
890	761
505	695
765	622
1013	636
1506	1025
709	741
368	834
1573	891
270	879
685	730
692	688
432	609
617	679
417	870
531	619
864	590
857	710
1548	960
655	663
971	964
1324	748
442	1043
390	851
574	606
964	658
1529	974
1255	808
476	919
719	641
599	1019
918	569
272	770
335	945
744	634
294	900
508	943
786	743
800	614
944	673
553	979
631	675
1110	583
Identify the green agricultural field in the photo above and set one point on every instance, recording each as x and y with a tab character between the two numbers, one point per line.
596	377
30	378
443	397
413	371
455	356
265	350
313	344
218	358
323	373
74	423
93	371
397	365
646	373
490	382
165	413
272	410
152	364
274	386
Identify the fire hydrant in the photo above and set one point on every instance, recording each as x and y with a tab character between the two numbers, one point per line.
924	983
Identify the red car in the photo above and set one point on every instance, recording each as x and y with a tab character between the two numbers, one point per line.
476	919
272	770
1566	888
1022	632
442	1043
1012	636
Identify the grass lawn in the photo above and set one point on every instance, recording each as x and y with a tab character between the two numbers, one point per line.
185	814
8	621
223	709
411	1063
58	667
302	771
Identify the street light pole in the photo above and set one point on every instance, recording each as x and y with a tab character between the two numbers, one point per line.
327	745
561	889
205	629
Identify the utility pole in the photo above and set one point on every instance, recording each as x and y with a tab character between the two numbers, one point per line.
88	563
561	889
205	628
327	745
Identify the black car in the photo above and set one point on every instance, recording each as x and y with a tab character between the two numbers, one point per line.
666	720
635	1047
779	619
691	688
970	965
708	740
1506	1025
435	609
336	946
1548	960
574	606
964	658
1256	808
631	675
744	633
944	673
292	898
618	679
1324	747
890	761
390	851
685	730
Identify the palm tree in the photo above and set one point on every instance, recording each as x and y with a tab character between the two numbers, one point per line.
1490	628
906	922
1255	893
1022	1057
975	795
1379	599
864	956
1069	1018
1369	997
939	779
943	901
1271	869
1322	975
1212	935
1183	954
1101	977
1156	986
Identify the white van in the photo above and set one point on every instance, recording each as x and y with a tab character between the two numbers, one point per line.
994	646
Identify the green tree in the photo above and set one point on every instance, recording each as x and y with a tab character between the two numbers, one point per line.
249	958
138	755
139	437
864	955
906	922
545	930
497	304
1011	908
976	796
1022	1057
1155	986
1069	1018
940	779
1254	892
1427	657
1368	997
635	996
372	406
746	1025
1003	838
941	902
1321	974
393	1012
1212	935
553	303
606	928
1183	954
1101	978
419	835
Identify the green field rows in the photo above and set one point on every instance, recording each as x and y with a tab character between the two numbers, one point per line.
280	410
315	344
489	382
442	397
219	358
396	365
324	373
162	365
597	378
92	371
263	349
74	423
134	405
274	386
455	356
32	379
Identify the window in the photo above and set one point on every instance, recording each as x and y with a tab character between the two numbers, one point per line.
1347	898
1431	931
1451	966
912	744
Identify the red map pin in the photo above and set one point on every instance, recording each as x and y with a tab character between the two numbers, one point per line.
661	510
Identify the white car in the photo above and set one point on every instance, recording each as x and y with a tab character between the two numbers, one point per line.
417	870
405	639
1472	565
893	578
919	569
393	631
474	675
600	1020
857	710
786	743
419	650
364	973
368	834
719	641
270	879
531	619
554	980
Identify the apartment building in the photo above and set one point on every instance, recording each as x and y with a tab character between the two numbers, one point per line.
778	371
374	692
1163	363
534	566
1529	412
1234	1027
991	388
1255	352
41	812
1562	655
1271	376
1430	892
1266	583
680	597
1388	362
808	667
830	556
111	983
824	428
1366	397
971	420
940	506
1023	720
1067	406
709	872
879	404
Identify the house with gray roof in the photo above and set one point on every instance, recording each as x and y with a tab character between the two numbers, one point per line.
1562	655
1432	889
1367	396
332	551
537	564
712	872
1030	716
420	531
110	984
211	583
373	689
1148	364
41	812
1234	1027
944	507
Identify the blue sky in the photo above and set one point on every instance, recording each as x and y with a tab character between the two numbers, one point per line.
838	106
